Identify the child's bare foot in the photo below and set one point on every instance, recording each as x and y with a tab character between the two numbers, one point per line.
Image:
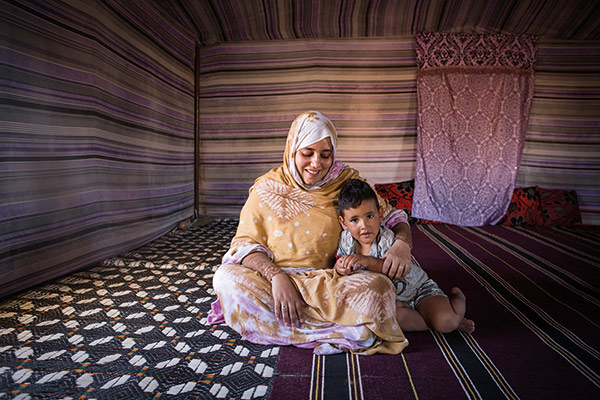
466	325
459	303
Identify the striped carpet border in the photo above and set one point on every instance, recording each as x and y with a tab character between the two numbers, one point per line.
340	376
553	271
336	377
497	376
472	367
589	255
576	352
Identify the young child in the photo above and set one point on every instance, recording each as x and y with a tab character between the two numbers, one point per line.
420	303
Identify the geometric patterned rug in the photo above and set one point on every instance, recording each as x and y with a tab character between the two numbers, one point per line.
134	327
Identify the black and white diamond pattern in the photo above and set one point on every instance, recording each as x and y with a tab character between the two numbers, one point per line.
135	326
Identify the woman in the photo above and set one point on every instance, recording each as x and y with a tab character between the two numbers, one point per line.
277	285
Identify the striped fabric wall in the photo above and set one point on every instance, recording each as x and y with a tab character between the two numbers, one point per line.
562	148
96	141
251	91
220	21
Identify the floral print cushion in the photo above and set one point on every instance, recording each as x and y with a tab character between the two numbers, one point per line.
559	207
400	195
524	208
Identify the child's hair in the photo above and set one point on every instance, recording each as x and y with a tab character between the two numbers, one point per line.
353	193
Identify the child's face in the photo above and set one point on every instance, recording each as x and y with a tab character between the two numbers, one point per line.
362	221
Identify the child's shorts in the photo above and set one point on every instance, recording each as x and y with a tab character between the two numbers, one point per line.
416	287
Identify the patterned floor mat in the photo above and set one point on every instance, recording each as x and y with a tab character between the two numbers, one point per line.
134	327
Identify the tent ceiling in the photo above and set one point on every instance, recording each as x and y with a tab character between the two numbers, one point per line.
218	21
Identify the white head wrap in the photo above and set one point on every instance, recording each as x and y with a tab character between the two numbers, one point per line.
308	128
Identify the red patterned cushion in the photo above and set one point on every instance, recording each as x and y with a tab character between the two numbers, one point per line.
559	207
400	195
524	208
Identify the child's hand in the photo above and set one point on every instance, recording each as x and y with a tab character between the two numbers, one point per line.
340	266
346	264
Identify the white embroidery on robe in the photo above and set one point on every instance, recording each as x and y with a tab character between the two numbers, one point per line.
283	200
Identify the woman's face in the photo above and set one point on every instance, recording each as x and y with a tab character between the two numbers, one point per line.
313	162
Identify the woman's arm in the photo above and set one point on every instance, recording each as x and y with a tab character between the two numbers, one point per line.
287	302
259	262
402	232
397	259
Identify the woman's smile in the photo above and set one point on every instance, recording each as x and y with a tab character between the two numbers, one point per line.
314	172
314	161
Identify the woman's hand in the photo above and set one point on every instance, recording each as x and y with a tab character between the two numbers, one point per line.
397	260
287	301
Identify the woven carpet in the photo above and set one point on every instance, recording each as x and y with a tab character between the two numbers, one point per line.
135	327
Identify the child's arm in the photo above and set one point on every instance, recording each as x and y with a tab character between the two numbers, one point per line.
347	264
372	263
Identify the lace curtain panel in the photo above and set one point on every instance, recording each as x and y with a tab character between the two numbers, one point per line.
474	95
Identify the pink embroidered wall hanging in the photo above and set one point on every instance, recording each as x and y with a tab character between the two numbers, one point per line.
474	95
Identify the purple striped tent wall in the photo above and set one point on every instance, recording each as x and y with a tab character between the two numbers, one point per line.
251	91
562	147
96	143
221	21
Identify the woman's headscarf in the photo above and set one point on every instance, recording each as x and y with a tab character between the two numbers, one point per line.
308	128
